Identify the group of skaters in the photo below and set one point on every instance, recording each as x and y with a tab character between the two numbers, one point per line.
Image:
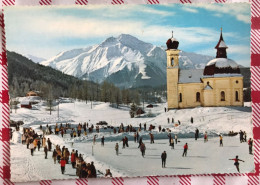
87	170
60	155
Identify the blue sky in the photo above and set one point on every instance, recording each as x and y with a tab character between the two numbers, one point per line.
46	31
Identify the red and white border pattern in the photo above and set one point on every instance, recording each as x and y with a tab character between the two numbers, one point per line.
210	179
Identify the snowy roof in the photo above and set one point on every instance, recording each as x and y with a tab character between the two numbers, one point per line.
222	63
208	87
190	76
173	39
222	44
223	75
25	102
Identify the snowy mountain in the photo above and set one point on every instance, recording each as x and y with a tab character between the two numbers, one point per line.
35	59
126	61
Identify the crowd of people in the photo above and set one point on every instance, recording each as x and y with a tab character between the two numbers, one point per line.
60	155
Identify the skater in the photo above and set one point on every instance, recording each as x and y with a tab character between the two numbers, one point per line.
250	144
176	139
205	137
160	128
62	165
54	156
185	147
196	133
108	173
191	119
116	148
94	139
170	137
168	120
220	140
73	158
102	141
49	144
38	144
172	120
163	157
126	141
241	134
237	163
123	139
172	143
45	151
144	126
151	138
31	147
142	148
140	142
245	136
164	109
93	169
135	137
179	122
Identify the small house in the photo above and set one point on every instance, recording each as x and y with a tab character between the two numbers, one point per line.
26	104
139	111
149	106
32	93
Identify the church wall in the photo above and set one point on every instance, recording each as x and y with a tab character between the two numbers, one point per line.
189	92
226	85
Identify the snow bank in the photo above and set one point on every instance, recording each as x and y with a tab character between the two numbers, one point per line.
17	136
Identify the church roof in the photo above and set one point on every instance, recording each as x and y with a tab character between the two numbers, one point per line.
221	67
190	76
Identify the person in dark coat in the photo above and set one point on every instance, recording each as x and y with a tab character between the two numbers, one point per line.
126	141
191	119
102	141
151	138
45	151
170	138
140	142
93	169
144	126
163	157
49	144
137	136
196	133
142	149
54	156
39	144
241	134
160	128
250	144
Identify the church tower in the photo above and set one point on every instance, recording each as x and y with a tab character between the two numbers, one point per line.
172	72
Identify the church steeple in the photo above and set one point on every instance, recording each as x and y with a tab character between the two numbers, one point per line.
221	47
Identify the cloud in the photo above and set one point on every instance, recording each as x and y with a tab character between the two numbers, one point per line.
239	49
189	9
242	12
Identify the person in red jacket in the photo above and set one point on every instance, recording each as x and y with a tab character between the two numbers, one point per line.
62	164
185	147
237	163
73	159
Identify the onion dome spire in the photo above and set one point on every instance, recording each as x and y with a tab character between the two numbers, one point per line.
172	43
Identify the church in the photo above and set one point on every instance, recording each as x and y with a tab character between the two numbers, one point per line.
219	84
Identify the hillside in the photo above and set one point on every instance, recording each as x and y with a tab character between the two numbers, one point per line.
24	75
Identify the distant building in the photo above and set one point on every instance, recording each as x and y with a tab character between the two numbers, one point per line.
26	104
149	106
220	83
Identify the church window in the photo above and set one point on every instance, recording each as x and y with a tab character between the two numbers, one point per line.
180	100
237	99
172	62
197	97
222	94
237	81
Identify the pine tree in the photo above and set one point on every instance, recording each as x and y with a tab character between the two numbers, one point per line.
133	110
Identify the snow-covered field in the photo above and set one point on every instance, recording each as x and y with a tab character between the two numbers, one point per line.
202	157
